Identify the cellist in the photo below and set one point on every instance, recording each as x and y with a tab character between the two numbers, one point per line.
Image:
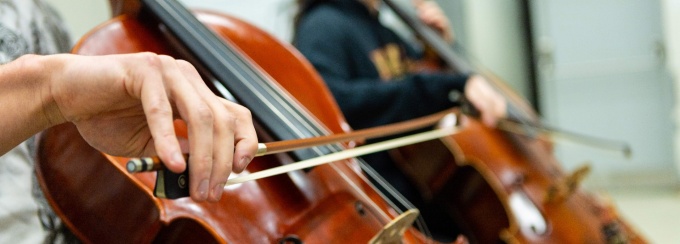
122	105
367	67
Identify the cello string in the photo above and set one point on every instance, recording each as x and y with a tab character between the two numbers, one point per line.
217	46
243	70
283	98
461	61
293	108
254	77
202	34
420	221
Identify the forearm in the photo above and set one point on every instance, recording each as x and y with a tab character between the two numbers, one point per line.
25	100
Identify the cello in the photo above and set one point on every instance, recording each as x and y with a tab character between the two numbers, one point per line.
100	202
503	186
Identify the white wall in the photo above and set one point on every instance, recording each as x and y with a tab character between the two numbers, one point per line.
603	74
82	15
494	36
271	15
671	20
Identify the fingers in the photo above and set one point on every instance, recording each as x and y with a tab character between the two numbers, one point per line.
245	138
222	132
199	116
485	100
214	126
159	113
125	105
234	139
431	14
167	82
491	104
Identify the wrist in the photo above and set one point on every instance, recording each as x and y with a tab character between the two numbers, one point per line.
41	71
26	100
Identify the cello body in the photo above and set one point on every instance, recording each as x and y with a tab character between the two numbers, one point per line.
100	202
500	186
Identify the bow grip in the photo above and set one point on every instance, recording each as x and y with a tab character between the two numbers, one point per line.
171	185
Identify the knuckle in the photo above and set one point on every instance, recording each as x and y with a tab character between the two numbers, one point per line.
229	119
188	68
207	159
222	116
158	107
150	58
203	163
204	113
226	168
166	58
185	65
241	111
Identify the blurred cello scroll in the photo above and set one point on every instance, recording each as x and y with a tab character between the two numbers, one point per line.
100	202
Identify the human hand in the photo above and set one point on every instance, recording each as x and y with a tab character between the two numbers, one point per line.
432	15
491	105
124	105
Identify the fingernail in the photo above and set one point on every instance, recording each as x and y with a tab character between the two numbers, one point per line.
203	190
217	191
243	163
177	158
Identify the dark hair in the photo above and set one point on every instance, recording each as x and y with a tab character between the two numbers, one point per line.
303	6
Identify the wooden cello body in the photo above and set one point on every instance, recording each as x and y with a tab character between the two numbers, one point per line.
498	192
100	202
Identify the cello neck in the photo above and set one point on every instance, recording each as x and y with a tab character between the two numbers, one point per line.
518	108
431	38
235	75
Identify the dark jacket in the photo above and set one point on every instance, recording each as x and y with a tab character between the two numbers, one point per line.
365	66
341	38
